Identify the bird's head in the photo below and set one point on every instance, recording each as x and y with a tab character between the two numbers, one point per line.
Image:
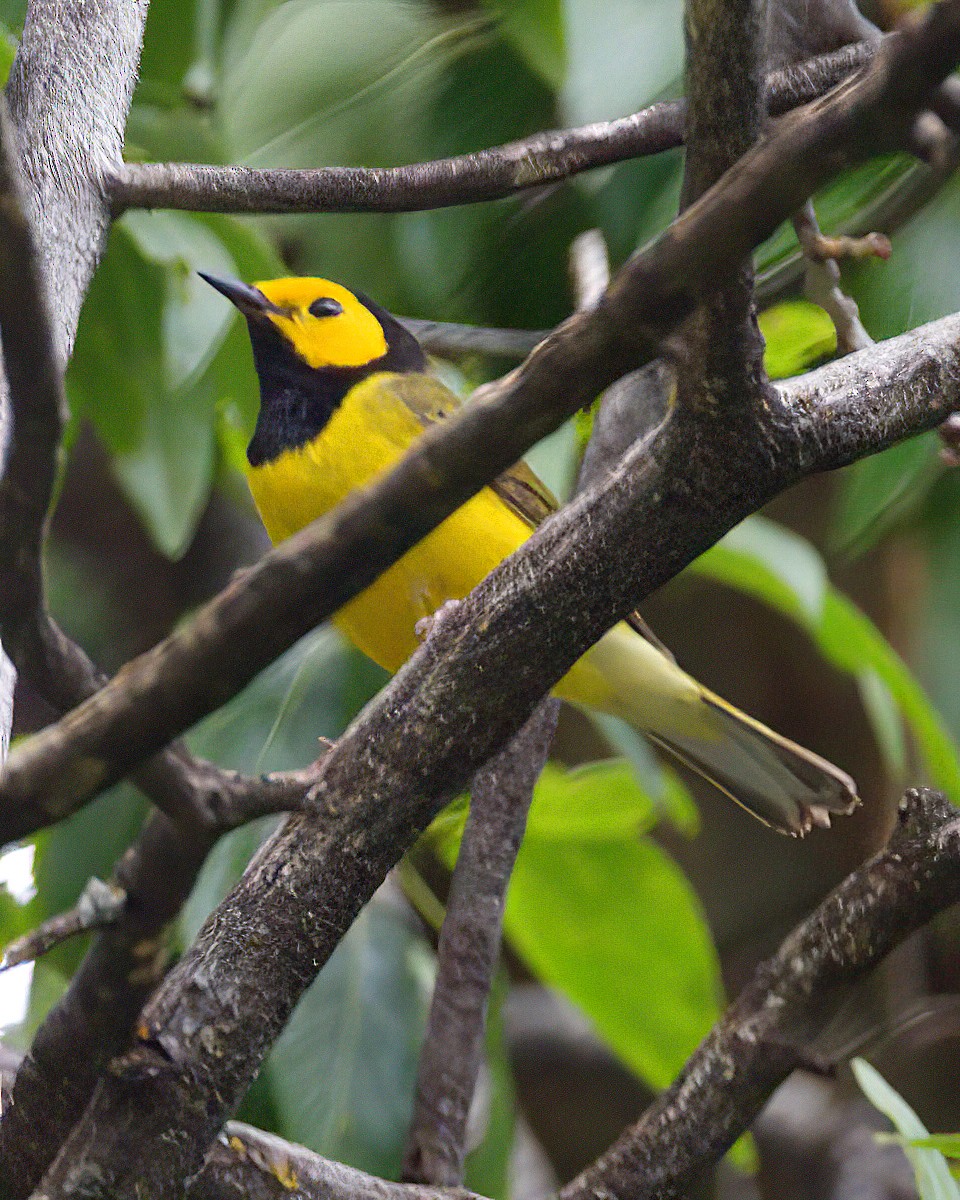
323	323
312	341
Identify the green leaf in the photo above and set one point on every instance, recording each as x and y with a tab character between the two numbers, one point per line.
616	927
798	335
606	918
599	801
8	50
117	369
67	855
312	691
934	1181
621	56
939	622
340	1078
162	359
794	582
774	564
947	1143
145	370
195	317
879	492
536	29
666	790
317	81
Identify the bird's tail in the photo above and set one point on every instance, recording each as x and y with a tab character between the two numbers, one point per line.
785	786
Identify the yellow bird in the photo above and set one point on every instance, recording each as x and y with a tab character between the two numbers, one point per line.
344	390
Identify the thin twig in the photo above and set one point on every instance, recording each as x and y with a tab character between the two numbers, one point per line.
485	175
314	573
100	904
589	268
950	439
443	338
468	952
792	997
823	283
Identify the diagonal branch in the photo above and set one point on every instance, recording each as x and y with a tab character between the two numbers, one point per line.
248	1164
307	578
485	175
791	998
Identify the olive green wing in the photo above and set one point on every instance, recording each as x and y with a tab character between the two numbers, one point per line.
519	488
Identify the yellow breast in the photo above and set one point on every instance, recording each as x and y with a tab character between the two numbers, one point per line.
367	434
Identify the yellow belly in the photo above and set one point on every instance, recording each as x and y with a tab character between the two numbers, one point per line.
366	435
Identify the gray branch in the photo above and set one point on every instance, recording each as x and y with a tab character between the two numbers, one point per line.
486	175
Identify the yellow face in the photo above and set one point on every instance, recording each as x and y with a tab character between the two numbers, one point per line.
320	334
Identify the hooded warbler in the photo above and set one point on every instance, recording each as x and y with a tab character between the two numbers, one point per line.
344	390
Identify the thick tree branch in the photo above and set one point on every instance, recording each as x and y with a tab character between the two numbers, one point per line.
247	1164
722	358
486	175
314	573
792	997
194	793
468	952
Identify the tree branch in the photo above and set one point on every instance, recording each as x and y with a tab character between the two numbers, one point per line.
99	905
485	175
721	362
308	577
468	952
444	338
247	1164
791	998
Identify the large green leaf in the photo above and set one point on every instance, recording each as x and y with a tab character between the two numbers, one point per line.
621	56
536	29
340	1079
882	490
311	692
152	370
783	570
338	77
614	925
939	625
607	918
798	335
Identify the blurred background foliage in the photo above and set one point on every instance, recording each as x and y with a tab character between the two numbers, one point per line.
835	616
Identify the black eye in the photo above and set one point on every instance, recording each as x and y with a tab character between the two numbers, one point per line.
326	306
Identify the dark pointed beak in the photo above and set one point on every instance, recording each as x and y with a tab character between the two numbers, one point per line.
250	300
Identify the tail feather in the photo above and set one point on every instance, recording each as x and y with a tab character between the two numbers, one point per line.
782	784
786	786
